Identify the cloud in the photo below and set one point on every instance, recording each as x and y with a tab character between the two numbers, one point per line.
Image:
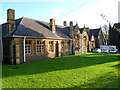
56	13
2	21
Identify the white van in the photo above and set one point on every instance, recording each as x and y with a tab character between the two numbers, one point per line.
108	49
112	49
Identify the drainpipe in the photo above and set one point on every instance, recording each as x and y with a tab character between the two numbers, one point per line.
24	58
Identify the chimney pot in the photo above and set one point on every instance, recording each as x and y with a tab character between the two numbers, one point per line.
71	30
65	23
71	23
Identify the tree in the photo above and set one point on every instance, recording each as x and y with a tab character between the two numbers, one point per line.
114	35
105	30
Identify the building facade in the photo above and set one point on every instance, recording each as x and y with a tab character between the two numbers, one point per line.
98	36
27	39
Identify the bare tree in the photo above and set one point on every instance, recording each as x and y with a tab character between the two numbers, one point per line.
105	29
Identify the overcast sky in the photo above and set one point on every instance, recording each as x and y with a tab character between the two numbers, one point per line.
84	12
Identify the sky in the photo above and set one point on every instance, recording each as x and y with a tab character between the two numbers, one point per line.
84	12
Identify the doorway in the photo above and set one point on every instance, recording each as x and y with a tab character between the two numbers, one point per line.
57	49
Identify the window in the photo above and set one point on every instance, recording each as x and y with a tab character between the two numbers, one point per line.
85	41
50	46
28	47
77	41
28	42
40	46
68	45
65	45
92	45
62	45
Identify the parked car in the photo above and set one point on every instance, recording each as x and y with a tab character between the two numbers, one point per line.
97	50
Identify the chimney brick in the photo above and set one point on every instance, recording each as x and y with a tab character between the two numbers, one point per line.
52	25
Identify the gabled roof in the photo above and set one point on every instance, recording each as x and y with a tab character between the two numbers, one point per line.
65	30
4	26
36	29
81	30
94	32
27	27
84	28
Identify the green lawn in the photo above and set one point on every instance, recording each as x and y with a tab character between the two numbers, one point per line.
92	70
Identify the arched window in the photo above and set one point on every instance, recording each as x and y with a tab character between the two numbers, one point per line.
92	44
77	41
85	41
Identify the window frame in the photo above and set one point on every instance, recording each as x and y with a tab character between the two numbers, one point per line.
85	41
62	45
65	45
40	46
77	42
51	46
28	45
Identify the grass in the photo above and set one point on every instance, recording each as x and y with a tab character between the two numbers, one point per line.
92	70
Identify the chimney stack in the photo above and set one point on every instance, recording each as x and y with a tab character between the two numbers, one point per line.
10	14
65	23
71	24
71	29
10	20
52	25
76	27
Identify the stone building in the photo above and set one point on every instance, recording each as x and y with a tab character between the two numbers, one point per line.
27	39
98	36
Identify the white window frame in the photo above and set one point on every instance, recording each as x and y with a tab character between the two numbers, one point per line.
40	47
27	49
50	46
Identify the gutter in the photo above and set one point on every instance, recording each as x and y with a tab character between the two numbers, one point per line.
39	37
